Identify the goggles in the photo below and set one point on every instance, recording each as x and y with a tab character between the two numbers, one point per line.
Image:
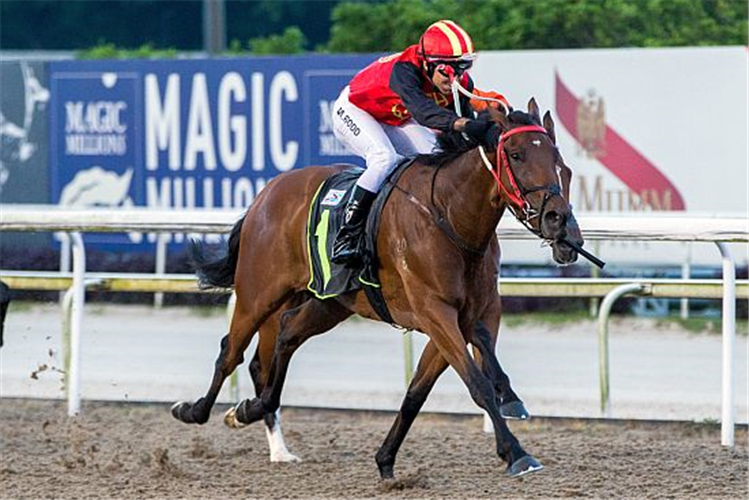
452	68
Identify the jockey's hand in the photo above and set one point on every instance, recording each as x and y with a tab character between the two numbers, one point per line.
477	129
491	138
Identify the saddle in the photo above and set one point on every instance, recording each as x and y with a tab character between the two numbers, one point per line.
327	209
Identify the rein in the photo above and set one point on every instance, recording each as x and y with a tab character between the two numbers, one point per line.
441	221
516	194
524	212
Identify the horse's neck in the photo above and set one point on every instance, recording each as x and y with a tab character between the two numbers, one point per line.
467	193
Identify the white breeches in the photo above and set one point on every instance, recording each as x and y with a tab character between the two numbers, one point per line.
382	146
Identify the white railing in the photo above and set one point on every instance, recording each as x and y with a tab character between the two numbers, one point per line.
651	228
15	217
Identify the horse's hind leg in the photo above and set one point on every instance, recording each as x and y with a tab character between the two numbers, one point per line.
431	366
297	326
245	321
268	333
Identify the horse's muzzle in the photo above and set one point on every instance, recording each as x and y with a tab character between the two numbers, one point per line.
557	224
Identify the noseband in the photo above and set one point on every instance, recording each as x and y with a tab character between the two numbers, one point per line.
517	194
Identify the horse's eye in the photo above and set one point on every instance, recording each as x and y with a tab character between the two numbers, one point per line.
516	156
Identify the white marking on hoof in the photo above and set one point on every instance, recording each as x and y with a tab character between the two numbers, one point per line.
230	419
287	457
278	450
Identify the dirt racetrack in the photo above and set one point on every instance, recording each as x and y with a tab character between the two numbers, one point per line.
133	451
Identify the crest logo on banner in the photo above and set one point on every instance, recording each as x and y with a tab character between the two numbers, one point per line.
647	186
591	126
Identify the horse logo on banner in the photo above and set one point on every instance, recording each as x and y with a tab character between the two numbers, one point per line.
17	148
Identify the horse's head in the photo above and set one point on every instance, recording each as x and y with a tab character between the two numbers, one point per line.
534	181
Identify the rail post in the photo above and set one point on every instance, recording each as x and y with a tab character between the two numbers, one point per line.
76	324
729	340
408	355
603	338
686	272
160	268
234	377
64	258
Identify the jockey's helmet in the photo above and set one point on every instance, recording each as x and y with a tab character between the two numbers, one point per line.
444	42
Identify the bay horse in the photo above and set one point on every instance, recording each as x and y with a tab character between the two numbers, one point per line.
439	263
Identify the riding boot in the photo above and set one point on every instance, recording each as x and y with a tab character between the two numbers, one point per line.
347	245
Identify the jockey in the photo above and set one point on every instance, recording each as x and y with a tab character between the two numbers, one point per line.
392	109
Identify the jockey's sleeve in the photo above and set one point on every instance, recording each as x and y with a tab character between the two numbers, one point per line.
406	81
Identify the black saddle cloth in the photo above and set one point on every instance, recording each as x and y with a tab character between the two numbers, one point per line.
327	210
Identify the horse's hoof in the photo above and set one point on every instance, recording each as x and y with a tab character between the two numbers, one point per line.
514	410
524	465
284	457
230	419
181	411
386	472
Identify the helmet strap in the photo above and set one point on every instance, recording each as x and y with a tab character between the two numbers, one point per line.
429	68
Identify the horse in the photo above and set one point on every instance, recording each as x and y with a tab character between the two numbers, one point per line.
438	268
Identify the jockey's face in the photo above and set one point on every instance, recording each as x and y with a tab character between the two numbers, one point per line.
444	72
442	82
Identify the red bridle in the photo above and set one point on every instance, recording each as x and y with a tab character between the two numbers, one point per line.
519	204
503	164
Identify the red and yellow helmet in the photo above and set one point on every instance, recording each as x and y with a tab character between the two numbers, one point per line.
446	41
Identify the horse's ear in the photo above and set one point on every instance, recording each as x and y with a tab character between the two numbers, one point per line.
549	126
533	110
499	117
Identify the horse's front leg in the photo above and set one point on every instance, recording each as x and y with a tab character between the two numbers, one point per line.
440	320
510	405
431	366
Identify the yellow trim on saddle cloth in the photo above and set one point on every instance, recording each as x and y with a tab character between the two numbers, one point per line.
309	251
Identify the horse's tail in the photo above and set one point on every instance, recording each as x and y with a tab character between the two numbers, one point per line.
216	273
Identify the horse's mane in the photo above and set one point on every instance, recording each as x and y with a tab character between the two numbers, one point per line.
453	144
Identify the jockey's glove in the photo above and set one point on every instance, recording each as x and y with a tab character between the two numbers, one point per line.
491	138
477	129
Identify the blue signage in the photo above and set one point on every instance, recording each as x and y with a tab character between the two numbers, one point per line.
190	133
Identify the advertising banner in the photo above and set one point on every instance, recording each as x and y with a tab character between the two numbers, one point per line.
188	134
23	141
646	131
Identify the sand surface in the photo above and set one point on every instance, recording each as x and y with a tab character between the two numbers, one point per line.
135	451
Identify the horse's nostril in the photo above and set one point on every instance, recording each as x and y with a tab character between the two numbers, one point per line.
554	219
